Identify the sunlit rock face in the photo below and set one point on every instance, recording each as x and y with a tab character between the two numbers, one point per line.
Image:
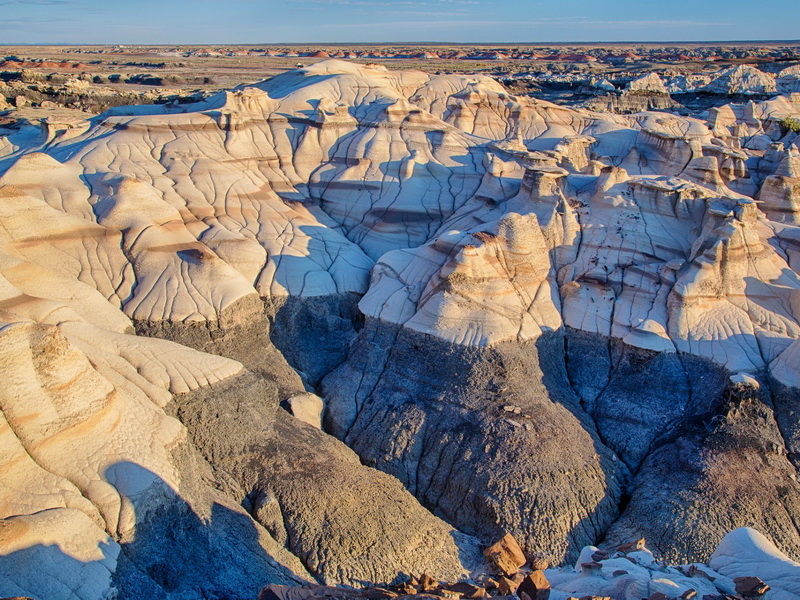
483	287
564	324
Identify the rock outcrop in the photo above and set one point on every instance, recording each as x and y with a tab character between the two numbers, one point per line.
562	324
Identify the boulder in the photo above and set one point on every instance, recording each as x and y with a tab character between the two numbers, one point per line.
506	555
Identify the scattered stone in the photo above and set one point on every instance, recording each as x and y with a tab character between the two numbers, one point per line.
490	583
689	594
535	586
750	587
425	588
378	593
467	590
632	546
427	583
599	555
21	102
619	573
695	572
658	596
308	408
507	586
506	555
591	566
406	589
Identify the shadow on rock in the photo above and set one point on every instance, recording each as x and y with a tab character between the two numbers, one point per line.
173	552
491	439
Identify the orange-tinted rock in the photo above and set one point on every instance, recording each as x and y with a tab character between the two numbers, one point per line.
535	586
507	586
506	555
632	546
428	583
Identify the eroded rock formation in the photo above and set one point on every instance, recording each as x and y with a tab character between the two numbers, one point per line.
568	325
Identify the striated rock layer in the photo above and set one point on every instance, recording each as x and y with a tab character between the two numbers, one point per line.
568	325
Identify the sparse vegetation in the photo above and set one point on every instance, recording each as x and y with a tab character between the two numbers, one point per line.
790	124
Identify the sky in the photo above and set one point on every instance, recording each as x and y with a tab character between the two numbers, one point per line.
374	21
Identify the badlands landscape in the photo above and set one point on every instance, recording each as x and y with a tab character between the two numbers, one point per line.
354	323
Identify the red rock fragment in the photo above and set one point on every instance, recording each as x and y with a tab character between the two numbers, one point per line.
467	590
750	587
406	588
427	583
695	572
535	587
507	586
632	546
490	584
506	555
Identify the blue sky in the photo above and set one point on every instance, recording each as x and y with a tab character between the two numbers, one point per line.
470	21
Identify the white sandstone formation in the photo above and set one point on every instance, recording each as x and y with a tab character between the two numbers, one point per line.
650	83
263	192
746	552
475	288
451	207
633	574
744	79
788	80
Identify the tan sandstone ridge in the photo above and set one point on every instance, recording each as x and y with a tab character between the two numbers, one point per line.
561	323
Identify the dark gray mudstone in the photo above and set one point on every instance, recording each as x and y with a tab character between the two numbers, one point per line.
347	523
432	414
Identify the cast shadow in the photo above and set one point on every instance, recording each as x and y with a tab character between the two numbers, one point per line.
171	552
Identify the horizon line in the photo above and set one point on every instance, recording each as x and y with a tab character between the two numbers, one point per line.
418	43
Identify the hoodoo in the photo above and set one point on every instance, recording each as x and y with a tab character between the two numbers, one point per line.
350	324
